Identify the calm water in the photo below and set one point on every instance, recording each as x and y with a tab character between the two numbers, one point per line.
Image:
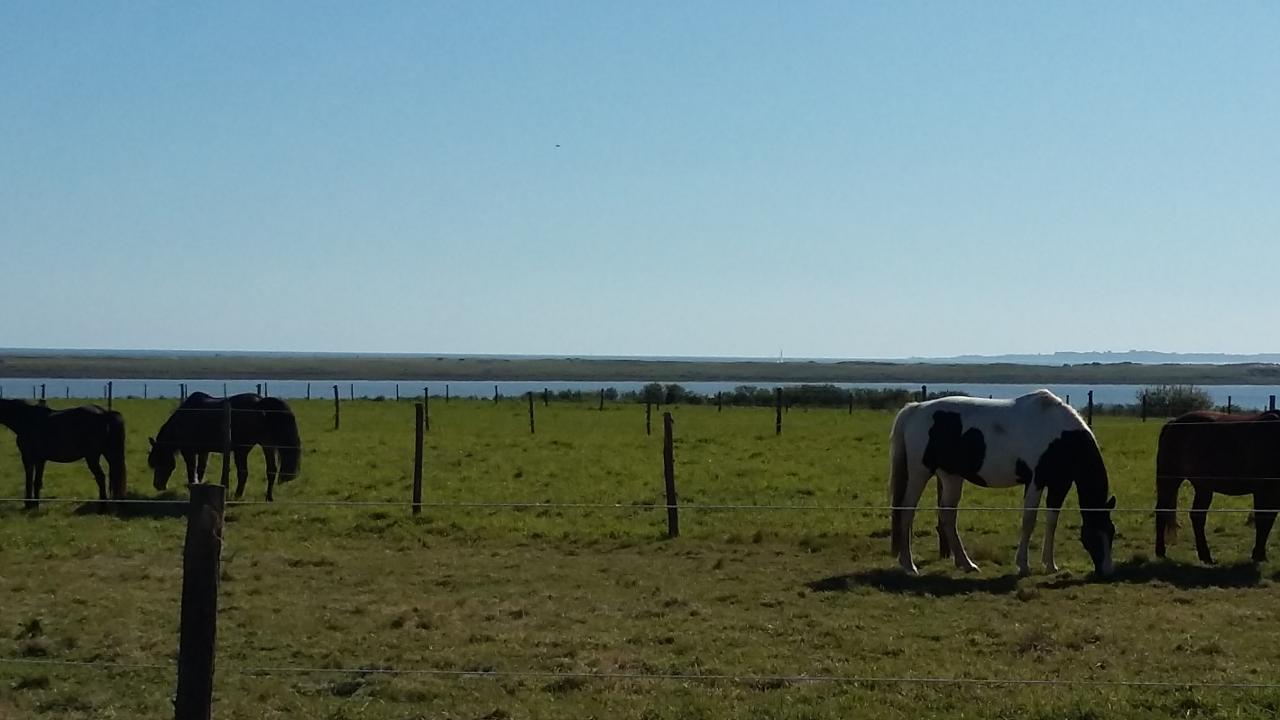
1245	396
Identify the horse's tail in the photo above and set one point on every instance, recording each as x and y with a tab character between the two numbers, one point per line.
282	429
117	475
1169	476
898	476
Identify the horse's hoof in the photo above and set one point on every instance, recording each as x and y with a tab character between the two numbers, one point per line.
1050	568
1207	560
970	568
911	569
1259	558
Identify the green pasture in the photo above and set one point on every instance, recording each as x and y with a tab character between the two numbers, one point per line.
766	597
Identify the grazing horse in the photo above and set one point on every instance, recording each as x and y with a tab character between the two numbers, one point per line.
197	428
1229	454
87	432
1036	441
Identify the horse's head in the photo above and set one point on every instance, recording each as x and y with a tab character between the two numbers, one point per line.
160	460
1096	534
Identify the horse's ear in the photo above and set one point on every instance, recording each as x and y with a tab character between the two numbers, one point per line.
1111	504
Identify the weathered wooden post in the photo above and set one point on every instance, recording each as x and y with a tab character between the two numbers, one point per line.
337	412
224	390
144	391
1228	404
67	388
530	394
397	392
426	408
1090	408
924	393
719	401
850	402
42	398
351	391
1271	405
1144	405
266	389
419	421
777	421
111	391
198	625
258	389
495	394
601	398
648	411
669	476
446	394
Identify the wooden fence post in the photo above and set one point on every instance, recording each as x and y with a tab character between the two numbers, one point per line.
1144	405
67	388
42	399
198	629
337	413
495	394
530	393
719	401
1272	404
426	408
546	397
446	394
397	392
850	402
224	390
258	389
351	391
648	411
601	398
266	389
144	391
111	391
1090	408
419	420
924	393
777	419
1228	404
669	476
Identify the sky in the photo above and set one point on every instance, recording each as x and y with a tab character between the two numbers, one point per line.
842	179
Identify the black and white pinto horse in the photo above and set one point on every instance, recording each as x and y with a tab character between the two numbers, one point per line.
1036	441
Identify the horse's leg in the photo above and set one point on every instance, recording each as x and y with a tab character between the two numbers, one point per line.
1053	506
1199	512
29	488
269	456
39	477
95	466
917	478
202	465
1166	511
242	470
1264	514
189	460
951	487
1030	505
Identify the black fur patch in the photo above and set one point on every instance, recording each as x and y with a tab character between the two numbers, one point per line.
953	449
1023	472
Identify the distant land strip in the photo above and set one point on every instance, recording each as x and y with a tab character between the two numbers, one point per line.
373	367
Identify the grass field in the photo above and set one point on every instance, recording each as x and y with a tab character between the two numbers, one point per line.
771	594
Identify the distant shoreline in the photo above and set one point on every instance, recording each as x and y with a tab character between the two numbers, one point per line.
397	367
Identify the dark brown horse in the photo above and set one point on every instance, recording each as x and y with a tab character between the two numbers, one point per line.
87	433
1215	452
196	429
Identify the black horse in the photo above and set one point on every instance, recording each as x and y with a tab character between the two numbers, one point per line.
197	428
87	432
1218	453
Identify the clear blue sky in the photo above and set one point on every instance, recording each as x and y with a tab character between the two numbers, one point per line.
687	178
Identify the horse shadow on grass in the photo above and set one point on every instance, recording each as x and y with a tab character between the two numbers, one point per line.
1180	575
935	585
166	505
